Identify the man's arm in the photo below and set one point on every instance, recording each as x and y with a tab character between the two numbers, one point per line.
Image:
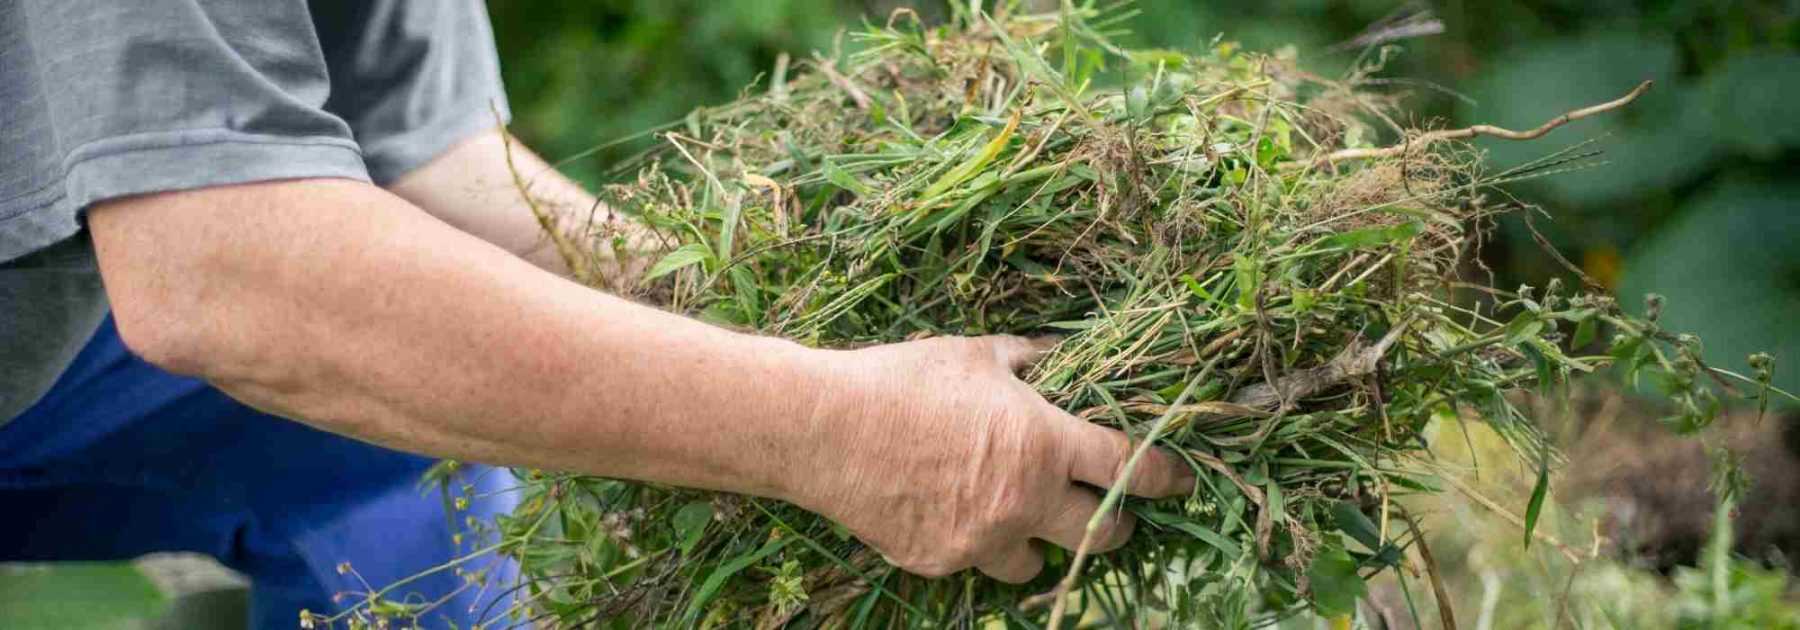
334	302
338	304
475	187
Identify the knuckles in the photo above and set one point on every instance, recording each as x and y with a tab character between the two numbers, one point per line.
960	391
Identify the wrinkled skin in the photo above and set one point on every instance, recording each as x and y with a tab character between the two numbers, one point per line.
957	463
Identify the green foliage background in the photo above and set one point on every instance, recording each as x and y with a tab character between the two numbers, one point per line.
1698	199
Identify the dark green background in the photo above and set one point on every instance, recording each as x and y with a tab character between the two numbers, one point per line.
1697	198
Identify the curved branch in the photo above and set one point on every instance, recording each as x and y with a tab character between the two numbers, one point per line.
1486	130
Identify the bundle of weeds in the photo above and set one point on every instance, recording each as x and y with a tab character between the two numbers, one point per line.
1236	273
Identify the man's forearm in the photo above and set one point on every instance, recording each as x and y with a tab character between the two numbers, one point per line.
480	186
334	302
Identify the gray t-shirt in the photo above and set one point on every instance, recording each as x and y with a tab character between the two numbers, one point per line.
106	98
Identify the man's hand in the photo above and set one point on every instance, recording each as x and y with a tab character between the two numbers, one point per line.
936	455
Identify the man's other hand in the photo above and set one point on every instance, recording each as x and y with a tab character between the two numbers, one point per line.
936	454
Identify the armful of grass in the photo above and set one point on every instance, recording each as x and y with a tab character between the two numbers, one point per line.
337	304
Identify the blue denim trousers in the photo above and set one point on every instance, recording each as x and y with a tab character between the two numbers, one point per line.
122	459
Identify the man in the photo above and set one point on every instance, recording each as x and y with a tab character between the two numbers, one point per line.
306	209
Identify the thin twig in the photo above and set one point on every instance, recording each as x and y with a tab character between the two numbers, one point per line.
1446	614
552	227
828	68
1356	361
1544	244
1483	130
1496	508
1113	496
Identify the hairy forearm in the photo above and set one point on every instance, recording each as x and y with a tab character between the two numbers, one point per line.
498	190
340	305
343	306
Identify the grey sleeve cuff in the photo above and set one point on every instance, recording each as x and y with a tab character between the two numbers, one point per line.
182	160
169	161
392	155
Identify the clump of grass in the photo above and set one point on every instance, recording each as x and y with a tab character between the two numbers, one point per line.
1237	272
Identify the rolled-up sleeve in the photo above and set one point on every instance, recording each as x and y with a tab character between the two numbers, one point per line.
105	99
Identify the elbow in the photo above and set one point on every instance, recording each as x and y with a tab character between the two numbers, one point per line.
186	274
163	334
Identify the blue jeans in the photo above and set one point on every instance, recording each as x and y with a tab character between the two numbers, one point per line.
122	459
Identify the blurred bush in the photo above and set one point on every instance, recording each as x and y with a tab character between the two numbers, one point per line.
582	73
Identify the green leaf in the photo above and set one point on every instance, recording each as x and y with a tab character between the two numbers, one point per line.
744	284
1277	503
1628	356
1137	101
968	169
843	179
710	587
1028	265
683	257
1421	483
1584	332
1268	153
1546	373
1352	521
1370	237
1303	300
690	523
1249	281
1538	493
1191	528
1194	286
1525	326
722	314
728	226
1335	583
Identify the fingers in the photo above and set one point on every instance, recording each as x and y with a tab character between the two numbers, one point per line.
1018	353
1017	564
1101	454
1068	523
